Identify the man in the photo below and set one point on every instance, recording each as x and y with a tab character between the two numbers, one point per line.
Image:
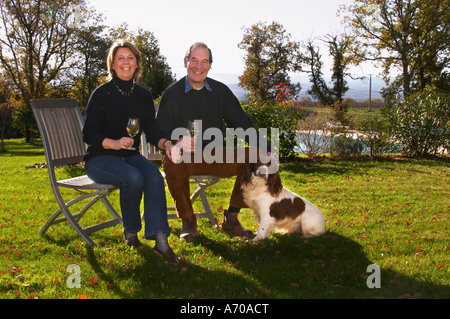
196	97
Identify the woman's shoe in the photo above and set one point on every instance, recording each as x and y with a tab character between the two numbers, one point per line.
131	240
169	254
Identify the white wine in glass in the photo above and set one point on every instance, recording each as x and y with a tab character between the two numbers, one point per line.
132	129
193	128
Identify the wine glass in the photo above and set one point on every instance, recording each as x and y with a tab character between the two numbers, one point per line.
193	128
132	129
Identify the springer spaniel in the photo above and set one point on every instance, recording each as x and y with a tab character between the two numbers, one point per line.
276	207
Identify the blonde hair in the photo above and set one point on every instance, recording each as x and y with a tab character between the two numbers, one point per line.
123	43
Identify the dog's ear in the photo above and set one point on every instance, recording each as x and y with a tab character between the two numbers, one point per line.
274	185
247	176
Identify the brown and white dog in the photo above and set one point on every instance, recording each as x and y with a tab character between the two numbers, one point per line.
276	207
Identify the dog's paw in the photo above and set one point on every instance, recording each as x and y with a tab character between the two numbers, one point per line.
261	236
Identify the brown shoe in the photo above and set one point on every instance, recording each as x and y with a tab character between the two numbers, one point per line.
169	254
189	230
233	226
132	240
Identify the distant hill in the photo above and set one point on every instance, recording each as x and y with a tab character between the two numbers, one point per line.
359	89
238	91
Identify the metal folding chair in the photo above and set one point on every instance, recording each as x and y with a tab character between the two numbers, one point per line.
202	181
60	123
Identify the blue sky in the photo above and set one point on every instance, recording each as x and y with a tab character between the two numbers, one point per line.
179	23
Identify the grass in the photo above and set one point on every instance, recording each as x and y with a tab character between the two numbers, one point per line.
393	213
354	115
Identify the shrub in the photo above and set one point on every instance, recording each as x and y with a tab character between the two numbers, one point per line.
275	115
421	123
376	136
315	136
345	146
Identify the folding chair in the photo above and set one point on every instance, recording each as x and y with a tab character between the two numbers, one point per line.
60	123
203	182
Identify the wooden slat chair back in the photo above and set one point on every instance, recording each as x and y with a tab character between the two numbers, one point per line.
203	182
60	124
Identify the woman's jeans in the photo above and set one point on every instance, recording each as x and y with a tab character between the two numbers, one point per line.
134	175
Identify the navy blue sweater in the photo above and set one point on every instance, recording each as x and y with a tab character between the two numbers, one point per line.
107	115
218	108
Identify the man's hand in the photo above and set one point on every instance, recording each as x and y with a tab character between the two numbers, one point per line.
187	143
174	154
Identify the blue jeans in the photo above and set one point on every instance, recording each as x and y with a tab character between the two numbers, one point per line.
134	175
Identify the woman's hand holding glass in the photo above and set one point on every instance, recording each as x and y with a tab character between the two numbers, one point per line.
132	130
122	143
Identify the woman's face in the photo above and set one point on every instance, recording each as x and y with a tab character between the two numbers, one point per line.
124	64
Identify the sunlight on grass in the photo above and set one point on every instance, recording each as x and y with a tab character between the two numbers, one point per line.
393	213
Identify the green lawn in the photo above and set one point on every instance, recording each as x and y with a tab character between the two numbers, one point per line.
393	213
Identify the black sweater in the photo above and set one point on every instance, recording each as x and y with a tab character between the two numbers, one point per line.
216	108
107	115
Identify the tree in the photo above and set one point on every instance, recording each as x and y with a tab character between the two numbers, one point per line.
35	43
312	64
409	35
156	73
88	65
271	54
6	109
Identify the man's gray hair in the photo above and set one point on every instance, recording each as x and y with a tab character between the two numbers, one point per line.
187	56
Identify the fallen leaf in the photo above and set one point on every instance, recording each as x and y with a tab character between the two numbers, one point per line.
109	286
92	281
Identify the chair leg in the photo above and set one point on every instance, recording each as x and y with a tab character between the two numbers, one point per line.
201	186
51	221
54	218
207	208
199	191
74	218
111	209
78	228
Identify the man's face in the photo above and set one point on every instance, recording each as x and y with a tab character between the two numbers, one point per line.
198	66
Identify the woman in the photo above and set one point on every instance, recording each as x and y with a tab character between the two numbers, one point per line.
108	159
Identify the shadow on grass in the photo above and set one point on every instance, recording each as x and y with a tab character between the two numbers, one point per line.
329	266
18	147
285	267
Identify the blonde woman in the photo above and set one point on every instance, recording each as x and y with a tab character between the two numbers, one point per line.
110	160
